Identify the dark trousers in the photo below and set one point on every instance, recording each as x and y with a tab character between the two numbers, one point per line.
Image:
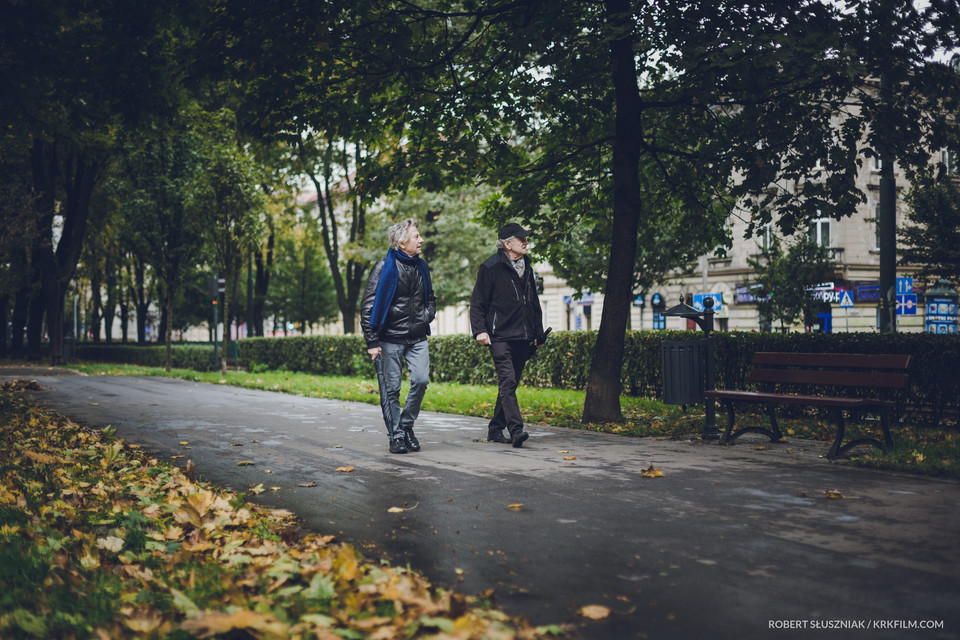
509	359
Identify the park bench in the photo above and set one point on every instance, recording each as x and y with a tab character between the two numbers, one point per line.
879	375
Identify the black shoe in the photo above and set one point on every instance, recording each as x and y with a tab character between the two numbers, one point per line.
519	439
497	436
411	441
397	446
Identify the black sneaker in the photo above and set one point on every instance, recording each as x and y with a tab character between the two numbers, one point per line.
411	441
497	436
397	446
519	439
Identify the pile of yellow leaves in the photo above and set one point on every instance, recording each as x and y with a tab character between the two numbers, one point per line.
98	539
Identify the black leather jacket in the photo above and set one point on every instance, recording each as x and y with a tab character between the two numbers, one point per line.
409	317
504	305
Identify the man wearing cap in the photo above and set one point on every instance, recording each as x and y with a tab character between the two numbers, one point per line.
505	315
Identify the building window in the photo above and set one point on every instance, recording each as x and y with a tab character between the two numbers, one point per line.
949	160
765	239
659	321
876	164
819	232
876	226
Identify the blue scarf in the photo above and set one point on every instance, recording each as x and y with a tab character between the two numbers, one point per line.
387	286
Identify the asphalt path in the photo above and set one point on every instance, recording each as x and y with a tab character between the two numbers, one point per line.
730	542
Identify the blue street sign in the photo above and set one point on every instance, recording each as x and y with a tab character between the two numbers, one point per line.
846	300
698	299
907	305
904	286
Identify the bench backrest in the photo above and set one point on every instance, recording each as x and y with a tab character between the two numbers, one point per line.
885	371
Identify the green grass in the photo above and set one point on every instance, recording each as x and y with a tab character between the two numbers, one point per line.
558	407
924	451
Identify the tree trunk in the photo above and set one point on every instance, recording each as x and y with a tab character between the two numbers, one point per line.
110	310
264	267
97	303
19	321
140	300
4	307
602	402
58	267
168	333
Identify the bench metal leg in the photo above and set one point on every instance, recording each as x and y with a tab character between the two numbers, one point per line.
726	434
729	435
838	450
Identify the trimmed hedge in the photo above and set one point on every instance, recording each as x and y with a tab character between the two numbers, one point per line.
565	361
183	356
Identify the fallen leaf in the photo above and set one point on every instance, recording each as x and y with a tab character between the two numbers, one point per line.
833	493
245	463
401	509
208	625
516	506
183	442
564	451
594	612
257	490
345	469
650	472
569	457
307	484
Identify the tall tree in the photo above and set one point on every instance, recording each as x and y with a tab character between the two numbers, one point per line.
227	199
932	238
73	72
787	278
156	180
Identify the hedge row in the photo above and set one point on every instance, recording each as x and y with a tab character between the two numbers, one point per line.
565	361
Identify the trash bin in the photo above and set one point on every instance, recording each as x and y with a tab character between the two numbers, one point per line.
683	371
69	349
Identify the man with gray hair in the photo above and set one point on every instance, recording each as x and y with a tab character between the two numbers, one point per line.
505	315
397	308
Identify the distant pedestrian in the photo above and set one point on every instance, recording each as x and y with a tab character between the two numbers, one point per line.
395	314
505	315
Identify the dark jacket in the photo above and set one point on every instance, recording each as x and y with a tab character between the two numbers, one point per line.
503	305
409	317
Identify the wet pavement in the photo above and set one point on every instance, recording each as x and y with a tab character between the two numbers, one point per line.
731	542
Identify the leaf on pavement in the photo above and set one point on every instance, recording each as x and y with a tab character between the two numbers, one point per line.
245	463
833	493
650	472
569	457
516	506
345	469
307	484
257	490
401	509
594	612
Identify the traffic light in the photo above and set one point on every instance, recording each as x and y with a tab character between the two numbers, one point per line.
216	287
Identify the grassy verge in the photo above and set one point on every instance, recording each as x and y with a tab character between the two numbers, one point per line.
924	451
99	540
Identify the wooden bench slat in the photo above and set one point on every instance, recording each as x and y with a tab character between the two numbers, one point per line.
827	377
842	360
790	398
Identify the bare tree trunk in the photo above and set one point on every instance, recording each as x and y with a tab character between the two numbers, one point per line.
602	401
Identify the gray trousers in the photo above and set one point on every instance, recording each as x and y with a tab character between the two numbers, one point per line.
389	375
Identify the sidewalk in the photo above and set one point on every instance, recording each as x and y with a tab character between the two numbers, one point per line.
731	542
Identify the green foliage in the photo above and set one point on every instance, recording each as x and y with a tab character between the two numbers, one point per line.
196	357
785	279
933	238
